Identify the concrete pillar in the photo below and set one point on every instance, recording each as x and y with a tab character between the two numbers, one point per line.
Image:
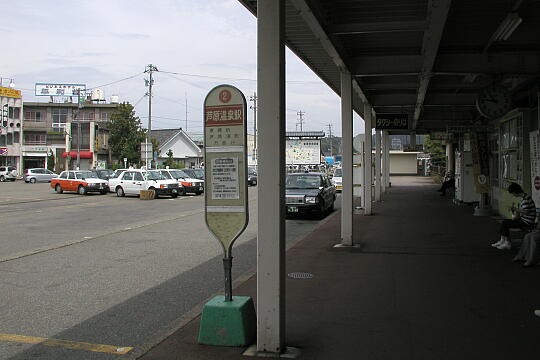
368	175
450	161
378	184
347	159
413	140
92	141
384	141
271	168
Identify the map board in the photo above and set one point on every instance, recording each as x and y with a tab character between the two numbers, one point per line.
303	152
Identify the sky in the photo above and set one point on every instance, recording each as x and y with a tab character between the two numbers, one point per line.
204	43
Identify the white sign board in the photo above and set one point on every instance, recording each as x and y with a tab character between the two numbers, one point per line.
45	89
303	152
225	182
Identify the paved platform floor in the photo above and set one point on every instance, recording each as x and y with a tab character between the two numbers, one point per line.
425	284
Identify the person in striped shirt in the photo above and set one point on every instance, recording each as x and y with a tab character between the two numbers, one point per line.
523	216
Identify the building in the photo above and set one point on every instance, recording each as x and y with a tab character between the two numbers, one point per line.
185	151
63	131
11	128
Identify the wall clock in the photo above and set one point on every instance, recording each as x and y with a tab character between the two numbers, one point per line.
494	102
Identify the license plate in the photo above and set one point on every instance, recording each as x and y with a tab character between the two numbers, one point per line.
292	209
338	187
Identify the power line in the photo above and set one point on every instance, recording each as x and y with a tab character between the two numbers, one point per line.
115	82
232	79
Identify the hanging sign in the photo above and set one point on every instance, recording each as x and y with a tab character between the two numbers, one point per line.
225	164
392	122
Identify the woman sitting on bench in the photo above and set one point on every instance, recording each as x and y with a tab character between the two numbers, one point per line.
522	217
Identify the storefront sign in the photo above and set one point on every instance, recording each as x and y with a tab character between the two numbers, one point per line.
35	148
3	151
9	92
226	164
413	148
44	89
392	122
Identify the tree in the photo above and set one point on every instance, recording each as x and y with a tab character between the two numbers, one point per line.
126	133
436	150
170	160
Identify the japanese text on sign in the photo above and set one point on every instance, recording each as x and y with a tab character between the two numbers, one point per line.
392	121
223	115
225	184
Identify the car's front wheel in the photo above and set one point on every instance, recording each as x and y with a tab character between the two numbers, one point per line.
32	180
58	189
82	190
2	178
120	192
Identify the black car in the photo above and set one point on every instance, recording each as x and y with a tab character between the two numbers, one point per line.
309	193
251	177
194	173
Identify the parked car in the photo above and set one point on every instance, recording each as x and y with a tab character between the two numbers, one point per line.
38	175
337	179
251	177
309	193
104	174
131	182
8	173
81	181
186	184
194	173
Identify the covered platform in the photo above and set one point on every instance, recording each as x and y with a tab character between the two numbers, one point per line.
424	284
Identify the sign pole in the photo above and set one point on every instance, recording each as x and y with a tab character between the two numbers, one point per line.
226	320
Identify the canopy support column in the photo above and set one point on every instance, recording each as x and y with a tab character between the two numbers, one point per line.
347	160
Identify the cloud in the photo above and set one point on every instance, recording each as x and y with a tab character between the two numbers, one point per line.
130	36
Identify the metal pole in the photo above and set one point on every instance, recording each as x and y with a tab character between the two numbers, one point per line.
78	122
151	68
227	268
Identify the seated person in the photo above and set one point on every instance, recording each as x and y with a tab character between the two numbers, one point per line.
449	182
522	217
527	252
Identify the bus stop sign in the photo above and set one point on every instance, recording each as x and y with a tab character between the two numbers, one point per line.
226	208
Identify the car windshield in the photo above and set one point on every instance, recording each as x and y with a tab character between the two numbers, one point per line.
303	182
155	175
177	174
338	173
85	175
199	174
252	172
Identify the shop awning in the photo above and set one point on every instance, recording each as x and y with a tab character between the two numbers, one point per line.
73	154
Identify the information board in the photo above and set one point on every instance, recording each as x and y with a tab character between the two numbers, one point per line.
225	157
303	152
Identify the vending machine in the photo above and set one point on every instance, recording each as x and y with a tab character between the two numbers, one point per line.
464	175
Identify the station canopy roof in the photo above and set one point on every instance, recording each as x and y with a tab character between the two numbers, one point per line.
426	58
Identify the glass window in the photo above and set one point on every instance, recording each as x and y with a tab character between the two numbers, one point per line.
14	112
303	182
83	115
71	175
59	119
105	116
127	176
155	175
63	175
35	139
166	174
34	116
16	137
9	138
138	177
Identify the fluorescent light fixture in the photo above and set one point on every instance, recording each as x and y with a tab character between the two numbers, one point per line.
507	27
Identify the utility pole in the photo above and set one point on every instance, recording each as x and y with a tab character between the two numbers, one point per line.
330	138
149	69
254	107
185	97
78	113
301	119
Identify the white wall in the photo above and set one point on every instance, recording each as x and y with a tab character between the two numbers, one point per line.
403	163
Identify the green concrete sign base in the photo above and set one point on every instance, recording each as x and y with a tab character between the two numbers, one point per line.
228	323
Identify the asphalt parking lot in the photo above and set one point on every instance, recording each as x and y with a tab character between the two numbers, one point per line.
103	270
